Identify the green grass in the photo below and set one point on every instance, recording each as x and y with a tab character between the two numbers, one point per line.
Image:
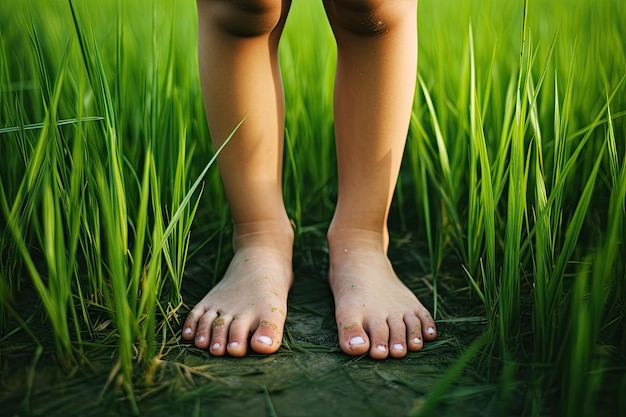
514	179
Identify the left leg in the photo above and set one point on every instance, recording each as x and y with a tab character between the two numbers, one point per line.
240	75
374	88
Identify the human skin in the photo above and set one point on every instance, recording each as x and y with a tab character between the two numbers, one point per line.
374	86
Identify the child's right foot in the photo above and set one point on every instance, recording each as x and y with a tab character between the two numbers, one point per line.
249	305
375	311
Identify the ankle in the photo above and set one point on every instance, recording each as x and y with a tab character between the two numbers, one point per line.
268	233
341	238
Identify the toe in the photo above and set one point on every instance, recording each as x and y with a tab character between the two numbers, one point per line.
188	331
238	337
267	337
397	338
379	336
191	323
353	339
429	330
415	339
219	335
203	329
379	351
398	350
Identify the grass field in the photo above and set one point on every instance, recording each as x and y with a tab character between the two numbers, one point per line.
509	218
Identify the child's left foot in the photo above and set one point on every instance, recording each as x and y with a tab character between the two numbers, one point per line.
374	310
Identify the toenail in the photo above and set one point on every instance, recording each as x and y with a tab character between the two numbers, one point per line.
188	331
431	331
265	340
417	340
398	346
358	340
201	339
216	346
233	344
381	348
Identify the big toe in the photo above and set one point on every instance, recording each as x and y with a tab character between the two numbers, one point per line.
268	336
353	339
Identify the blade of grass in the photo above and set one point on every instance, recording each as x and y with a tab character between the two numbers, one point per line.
443	385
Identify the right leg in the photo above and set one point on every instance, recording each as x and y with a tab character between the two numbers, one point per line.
374	87
240	77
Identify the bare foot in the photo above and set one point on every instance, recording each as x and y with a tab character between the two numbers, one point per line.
248	304
374	310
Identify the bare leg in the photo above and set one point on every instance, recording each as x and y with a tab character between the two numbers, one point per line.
374	87
240	75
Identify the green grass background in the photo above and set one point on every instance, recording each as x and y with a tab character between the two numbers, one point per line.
513	181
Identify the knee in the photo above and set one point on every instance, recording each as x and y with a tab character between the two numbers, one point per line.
371	17
243	18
